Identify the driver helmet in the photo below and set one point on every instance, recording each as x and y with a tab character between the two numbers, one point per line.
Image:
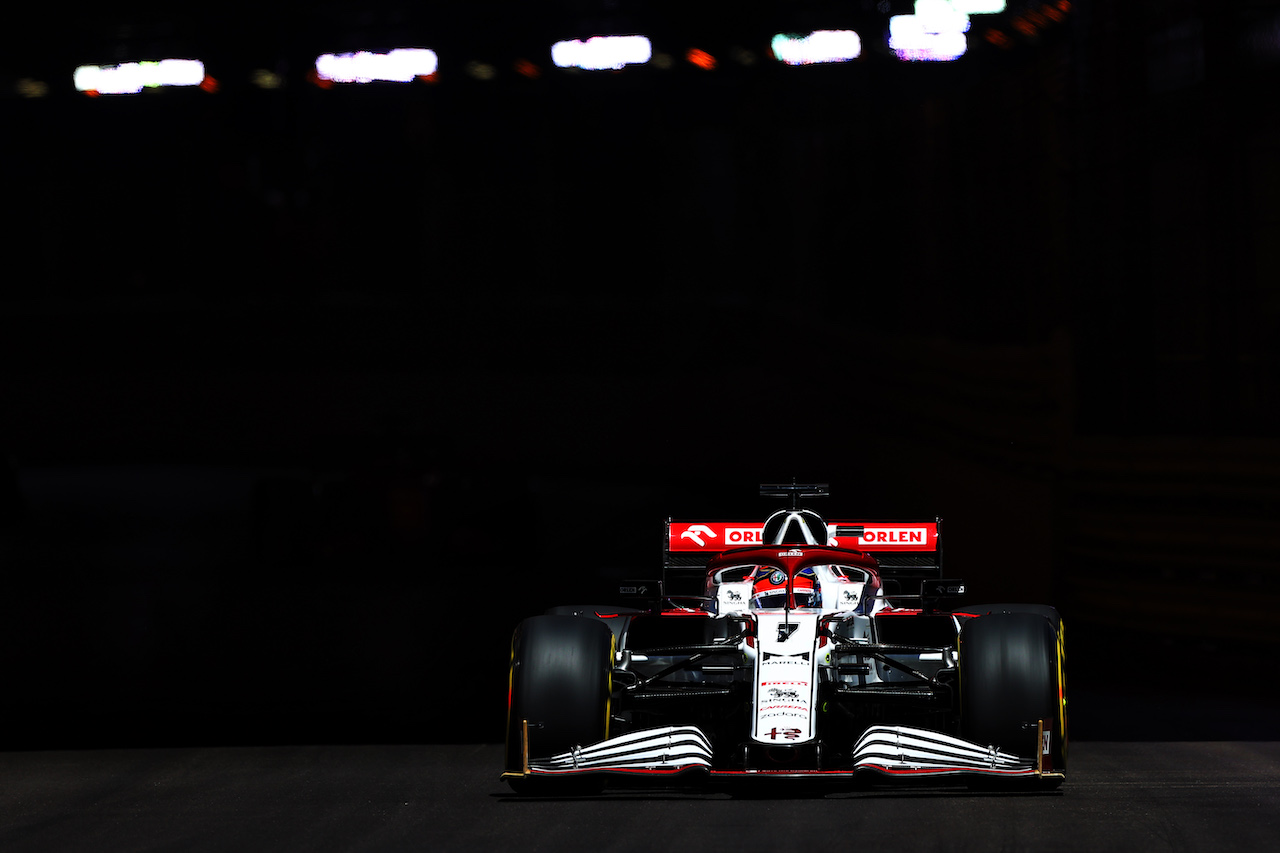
769	590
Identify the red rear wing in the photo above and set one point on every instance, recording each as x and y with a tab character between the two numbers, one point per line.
906	550
875	536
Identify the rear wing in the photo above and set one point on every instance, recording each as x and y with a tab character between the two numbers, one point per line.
907	551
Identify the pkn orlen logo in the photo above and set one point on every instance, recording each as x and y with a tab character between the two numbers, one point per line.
695	532
894	536
743	535
734	537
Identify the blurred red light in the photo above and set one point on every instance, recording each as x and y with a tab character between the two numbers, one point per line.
998	38
701	58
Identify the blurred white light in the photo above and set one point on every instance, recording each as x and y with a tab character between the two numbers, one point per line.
130	78
978	7
602	52
943	14
399	66
818	46
935	33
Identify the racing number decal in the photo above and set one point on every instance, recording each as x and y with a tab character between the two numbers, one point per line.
785	734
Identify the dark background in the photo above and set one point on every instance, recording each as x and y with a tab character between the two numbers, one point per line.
309	395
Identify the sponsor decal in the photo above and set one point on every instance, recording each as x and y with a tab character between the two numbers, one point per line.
744	535
779	693
895	536
803	657
783	710
733	595
695	532
778	577
849	597
794	552
876	536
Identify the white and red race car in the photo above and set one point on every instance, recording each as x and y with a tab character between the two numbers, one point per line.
796	648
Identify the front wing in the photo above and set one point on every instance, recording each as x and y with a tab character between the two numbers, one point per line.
888	750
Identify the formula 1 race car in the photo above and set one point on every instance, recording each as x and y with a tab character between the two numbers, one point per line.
797	648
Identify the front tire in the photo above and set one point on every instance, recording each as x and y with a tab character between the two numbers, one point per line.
1011	675
560	682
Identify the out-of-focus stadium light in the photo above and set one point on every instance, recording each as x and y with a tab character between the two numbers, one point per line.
935	33
130	78
29	88
998	38
817	47
601	53
264	79
527	69
978	7
700	58
402	65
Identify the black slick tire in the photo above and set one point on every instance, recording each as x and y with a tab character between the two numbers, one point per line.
560	684
1011	675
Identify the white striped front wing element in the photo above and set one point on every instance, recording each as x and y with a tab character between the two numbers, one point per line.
663	750
901	750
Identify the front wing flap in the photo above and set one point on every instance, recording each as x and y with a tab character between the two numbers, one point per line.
670	749
902	750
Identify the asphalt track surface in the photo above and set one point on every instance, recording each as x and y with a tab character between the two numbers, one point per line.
1190	796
